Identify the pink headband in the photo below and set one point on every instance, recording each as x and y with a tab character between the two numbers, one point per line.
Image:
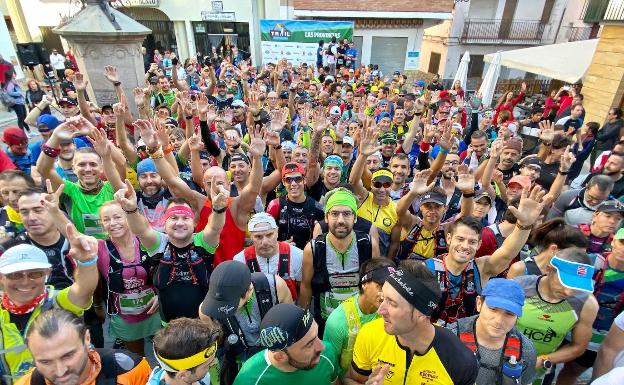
179	210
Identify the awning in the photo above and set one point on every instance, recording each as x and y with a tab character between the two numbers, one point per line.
563	61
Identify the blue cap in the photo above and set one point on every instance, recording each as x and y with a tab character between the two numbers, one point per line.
420	83
146	165
48	120
504	294
383	115
577	276
333	159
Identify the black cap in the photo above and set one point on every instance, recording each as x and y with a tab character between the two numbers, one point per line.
283	325
433	197
611	206
482	194
533	161
284	95
67	100
228	282
153	79
221	83
397	72
171	121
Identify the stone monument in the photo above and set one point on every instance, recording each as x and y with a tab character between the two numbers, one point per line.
101	36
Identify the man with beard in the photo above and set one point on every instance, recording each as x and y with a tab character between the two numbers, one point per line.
477	148
61	347
446	181
402	346
344	323
331	262
578	206
294	353
460	275
613	169
295	212
506	161
606	220
221	99
388	148
82	200
400	168
42	231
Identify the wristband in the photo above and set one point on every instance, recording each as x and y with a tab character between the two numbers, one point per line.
157	154
468	195
278	147
90	262
152	150
563	172
219	211
188	117
49	151
338	142
444	150
116	84
526	227
168	150
131	211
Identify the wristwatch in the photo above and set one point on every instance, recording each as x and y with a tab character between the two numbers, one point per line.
546	363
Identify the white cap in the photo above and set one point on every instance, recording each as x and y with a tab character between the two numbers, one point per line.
348	140
238	103
458	127
23	257
261	222
335	110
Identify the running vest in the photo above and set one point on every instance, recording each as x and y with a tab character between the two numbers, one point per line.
15	358
231	239
511	348
596	245
305	219
609	292
354	324
338	286
408	245
119	300
530	267
465	303
283	265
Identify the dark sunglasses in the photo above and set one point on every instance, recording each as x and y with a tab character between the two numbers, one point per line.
289	179
382	184
388	141
32	275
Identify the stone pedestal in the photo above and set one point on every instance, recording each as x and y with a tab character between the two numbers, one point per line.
603	85
101	36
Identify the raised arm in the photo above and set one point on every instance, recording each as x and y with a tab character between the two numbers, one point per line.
466	184
81	90
120	133
488	170
314	169
368	146
31	118
103	147
567	159
410	137
611	346
138	223
445	146
83	250
216	220
418	187
110	73
528	211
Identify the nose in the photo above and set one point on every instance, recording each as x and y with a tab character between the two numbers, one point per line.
60	369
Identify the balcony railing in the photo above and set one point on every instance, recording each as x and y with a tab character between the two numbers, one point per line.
502	31
597	11
582	33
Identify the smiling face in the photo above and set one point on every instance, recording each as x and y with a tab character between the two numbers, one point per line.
61	358
300	155
35	217
508	158
114	220
22	290
88	168
496	322
240	171
180	227
150	183
332	174
463	243
480	208
294	183
11	190
400	170
449	169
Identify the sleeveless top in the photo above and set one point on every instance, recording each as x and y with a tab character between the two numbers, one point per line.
231	239
248	316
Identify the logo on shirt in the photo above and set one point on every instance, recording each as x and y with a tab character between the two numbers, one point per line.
429	375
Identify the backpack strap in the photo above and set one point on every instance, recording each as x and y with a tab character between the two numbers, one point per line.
36	378
110	367
283	268
364	246
263	292
251	259
531	267
319	262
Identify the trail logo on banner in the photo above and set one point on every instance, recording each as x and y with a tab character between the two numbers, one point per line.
280	32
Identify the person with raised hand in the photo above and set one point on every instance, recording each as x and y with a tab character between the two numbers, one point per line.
184	258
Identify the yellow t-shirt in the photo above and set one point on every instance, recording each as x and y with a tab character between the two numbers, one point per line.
447	362
383	217
425	243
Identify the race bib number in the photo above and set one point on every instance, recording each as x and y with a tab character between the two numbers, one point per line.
135	303
343	287
92	224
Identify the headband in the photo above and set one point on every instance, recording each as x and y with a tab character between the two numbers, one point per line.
341	198
180	364
378	275
414	291
179	210
382	172
333	159
240	156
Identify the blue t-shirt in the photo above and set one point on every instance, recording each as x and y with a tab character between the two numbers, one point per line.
22	162
35	151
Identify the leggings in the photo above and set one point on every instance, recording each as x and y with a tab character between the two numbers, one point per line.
20	111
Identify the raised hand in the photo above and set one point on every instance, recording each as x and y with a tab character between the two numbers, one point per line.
51	200
272	138
429	132
497	177
278	120
465	180
100	142
320	120
82	247
567	159
523	87
218	195
161	133
73	127
371	101
126	197
79	81
257	145
419	183
139	97
341	129
254	103
110	73
368	142
497	148
146	130
446	137
531	206
547	131
120	108
195	143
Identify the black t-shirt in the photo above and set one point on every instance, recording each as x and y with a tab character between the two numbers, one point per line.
548	174
508	174
435	87
318	190
296	220
220	103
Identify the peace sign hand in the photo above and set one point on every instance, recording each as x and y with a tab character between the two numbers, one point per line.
218	195
82	247
126	197
50	201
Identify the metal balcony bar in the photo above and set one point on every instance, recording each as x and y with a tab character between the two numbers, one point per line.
502	31
579	33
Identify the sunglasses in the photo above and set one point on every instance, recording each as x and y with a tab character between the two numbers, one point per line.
289	179
382	184
32	275
388	141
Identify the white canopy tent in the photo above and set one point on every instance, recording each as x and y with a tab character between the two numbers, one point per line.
563	61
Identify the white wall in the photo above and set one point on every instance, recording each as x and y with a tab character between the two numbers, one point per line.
482	9
413	35
529	10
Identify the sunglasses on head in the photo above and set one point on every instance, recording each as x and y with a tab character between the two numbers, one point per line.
382	184
289	179
32	275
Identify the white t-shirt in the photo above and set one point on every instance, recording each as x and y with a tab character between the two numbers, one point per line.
270	265
57	61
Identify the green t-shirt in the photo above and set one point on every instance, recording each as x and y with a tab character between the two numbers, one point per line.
84	209
258	370
337	330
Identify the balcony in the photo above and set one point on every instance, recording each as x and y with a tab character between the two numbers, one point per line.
582	33
599	11
502	31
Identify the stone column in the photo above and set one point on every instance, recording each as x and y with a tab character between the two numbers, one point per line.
101	36
603	85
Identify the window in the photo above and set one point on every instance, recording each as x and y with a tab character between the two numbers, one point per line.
434	63
475	68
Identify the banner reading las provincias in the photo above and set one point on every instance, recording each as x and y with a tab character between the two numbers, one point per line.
297	40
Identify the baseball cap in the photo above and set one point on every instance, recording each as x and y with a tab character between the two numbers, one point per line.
67	100
23	257
505	294
228	282
50	121
620	234
261	222
171	121
482	194
348	140
221	83
420	83
396	73
14	136
335	110
433	197
374	89
283	325
382	175
531	161
238	103
388	136
375	73
574	275
292	167
522	180
611	206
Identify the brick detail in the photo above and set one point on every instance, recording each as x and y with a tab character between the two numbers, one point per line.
376	5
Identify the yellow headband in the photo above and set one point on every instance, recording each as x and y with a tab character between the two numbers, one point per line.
382	172
187	363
